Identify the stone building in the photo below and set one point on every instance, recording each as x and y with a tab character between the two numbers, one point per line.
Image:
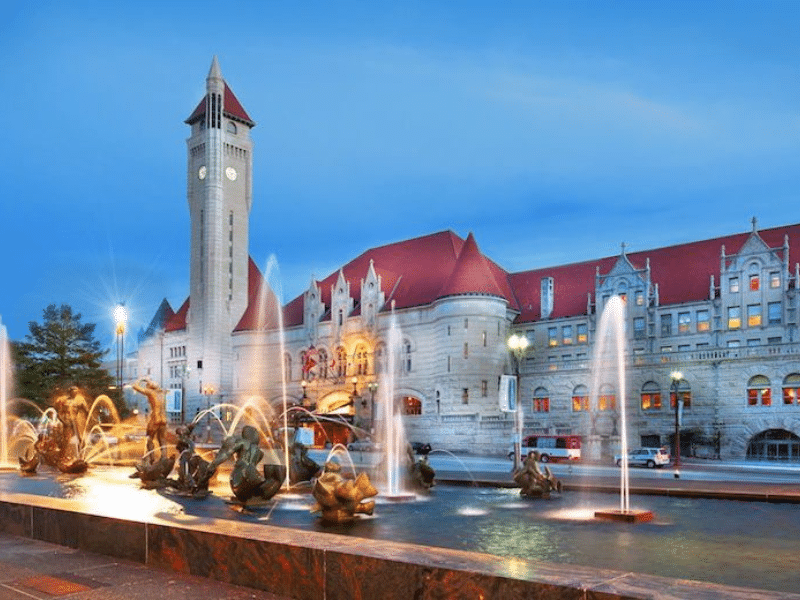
429	319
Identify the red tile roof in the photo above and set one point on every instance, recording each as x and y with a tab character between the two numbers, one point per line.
471	274
682	272
262	303
177	321
233	109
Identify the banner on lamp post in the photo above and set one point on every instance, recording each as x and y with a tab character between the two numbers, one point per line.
174	400
508	393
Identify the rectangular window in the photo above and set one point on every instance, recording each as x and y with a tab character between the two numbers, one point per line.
651	401
703	323
566	334
753	315
484	388
666	348
756	396
774	313
733	285
684	322
466	323
755	283
753	342
775	279
583	334
666	325
483	338
734	343
466	350
790	395
541	404
552	336
638	328
684	347
580	403
639	298
734	317
464	395
773	340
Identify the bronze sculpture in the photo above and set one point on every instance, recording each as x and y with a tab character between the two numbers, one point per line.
340	499
532	481
157	421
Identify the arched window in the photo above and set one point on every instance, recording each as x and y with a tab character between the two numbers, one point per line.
607	399
580	398
774	444
341	362
541	400
323	363
758	391
380	358
791	389
231	127
412	406
685	394
651	396
287	366
361	360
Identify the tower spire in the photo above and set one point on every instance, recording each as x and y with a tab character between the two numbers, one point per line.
214	72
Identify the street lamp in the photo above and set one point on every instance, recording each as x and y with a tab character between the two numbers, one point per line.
372	386
518	344
120	319
208	391
676	377
354	381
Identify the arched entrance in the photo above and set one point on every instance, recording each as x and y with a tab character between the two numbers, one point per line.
774	444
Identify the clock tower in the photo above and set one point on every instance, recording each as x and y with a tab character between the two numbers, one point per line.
219	192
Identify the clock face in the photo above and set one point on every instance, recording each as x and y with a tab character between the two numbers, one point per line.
201	173
230	172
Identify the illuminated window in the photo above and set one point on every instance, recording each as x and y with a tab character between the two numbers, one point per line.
758	391
607	400
734	317
341	362
412	406
323	363
651	396
639	298
755	283
361	360
703	323
580	398
552	336
775	279
583	334
566	334
733	285
684	393
753	315
541	400
684	322
791	389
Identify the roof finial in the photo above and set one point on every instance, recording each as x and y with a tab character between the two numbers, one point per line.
623	248
755	222
214	72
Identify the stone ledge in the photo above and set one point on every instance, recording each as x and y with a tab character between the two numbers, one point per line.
313	566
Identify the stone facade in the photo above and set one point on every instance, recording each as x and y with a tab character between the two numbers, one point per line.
723	313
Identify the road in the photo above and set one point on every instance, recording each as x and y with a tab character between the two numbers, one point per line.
483	468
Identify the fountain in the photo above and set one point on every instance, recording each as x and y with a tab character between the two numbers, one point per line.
609	356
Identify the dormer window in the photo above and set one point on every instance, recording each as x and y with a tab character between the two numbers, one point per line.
231	127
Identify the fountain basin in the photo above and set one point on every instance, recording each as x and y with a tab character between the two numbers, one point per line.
625	516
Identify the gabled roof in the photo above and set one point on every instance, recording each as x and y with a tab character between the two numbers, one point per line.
412	273
160	319
233	109
177	321
262	303
471	274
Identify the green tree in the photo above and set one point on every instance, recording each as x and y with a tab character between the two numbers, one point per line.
59	353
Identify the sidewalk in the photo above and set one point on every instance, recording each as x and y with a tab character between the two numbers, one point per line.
30	569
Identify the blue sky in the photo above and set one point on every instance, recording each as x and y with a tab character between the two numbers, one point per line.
552	130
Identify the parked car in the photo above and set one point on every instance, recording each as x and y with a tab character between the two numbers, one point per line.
365	445
420	448
645	457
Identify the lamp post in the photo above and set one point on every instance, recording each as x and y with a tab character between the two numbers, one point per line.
676	377
208	391
372	386
120	319
518	344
